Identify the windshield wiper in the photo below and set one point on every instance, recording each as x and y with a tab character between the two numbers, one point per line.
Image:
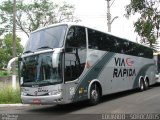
28	51
45	47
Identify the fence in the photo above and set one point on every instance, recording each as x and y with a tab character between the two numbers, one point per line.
7	81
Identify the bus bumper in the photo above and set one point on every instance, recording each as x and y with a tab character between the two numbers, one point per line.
50	99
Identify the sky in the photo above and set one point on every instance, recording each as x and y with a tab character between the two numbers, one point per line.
93	13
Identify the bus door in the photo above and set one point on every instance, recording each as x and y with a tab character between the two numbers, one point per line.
74	60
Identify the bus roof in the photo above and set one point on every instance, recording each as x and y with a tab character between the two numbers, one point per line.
75	24
82	25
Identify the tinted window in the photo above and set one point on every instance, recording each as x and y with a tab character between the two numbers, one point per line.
76	37
101	41
75	55
94	39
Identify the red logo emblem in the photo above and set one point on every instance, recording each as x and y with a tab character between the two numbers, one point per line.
129	62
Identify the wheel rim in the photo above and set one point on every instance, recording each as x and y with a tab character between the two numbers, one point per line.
147	84
94	95
142	86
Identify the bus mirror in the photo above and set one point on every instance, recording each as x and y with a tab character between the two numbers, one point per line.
55	60
77	82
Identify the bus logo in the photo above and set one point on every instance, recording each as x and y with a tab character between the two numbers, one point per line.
129	62
120	71
123	62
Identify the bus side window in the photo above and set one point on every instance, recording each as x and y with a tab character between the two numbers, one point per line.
75	53
93	37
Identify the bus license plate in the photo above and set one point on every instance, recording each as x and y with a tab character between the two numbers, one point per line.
36	101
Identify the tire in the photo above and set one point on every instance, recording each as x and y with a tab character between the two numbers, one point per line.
94	95
146	84
142	85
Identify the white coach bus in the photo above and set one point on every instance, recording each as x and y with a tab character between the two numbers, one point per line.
67	63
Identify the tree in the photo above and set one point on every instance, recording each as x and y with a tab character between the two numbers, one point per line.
6	49
147	25
36	14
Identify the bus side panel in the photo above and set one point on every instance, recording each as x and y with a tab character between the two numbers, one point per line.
96	61
123	73
116	72
148	69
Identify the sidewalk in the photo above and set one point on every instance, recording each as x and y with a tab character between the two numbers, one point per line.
14	105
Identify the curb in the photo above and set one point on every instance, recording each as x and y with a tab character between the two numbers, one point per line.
14	105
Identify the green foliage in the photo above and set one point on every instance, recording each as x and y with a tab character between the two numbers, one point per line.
147	25
135	6
8	95
3	73
33	15
6	49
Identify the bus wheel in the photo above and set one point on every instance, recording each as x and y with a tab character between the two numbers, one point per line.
94	95
142	85
146	84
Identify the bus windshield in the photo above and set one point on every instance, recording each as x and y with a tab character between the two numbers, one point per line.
42	69
48	38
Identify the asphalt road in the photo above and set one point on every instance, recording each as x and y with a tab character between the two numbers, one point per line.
124	103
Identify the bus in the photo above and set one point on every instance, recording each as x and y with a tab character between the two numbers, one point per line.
68	62
157	61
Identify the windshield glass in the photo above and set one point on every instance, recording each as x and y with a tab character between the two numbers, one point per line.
42	69
48	38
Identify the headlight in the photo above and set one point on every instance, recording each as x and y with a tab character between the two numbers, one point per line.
23	93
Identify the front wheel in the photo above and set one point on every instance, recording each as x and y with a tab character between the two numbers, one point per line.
94	95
